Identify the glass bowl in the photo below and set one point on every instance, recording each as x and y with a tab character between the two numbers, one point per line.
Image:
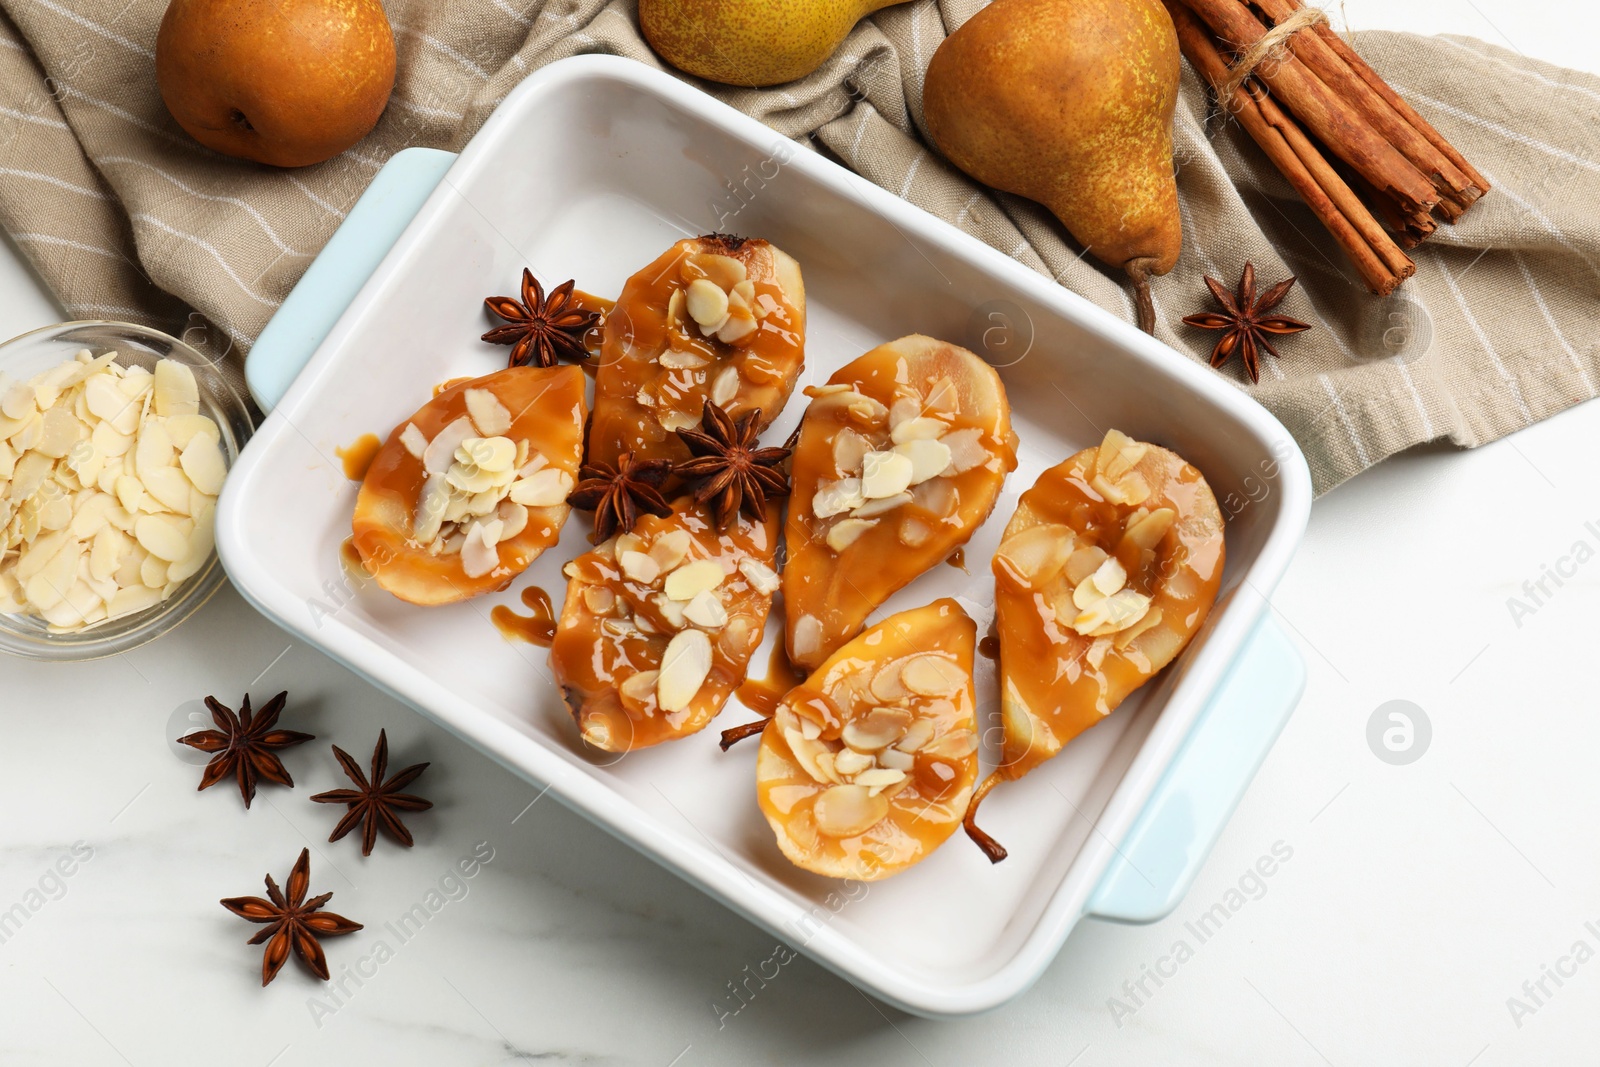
25	356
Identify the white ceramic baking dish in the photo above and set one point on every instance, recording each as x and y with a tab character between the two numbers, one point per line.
1115	827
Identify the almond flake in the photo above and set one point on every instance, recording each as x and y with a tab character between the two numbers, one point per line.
836	498
681	359
488	414
479	556
897	760
884	474
1147	532
168	486
492	454
966	450
185	428
670	549
691	579
921	428
1150	621
725	386
1083	562
880	728
19	401
706	611
1112	614
160	537
1118	454
874	508
640	688
762	578
441	451
1037	554
723	271
848	810
685	665
879	778
176	392
154	448
547	488
849	448
1109	577
202	462
850	762
928	458
432	504
903	410
638	567
846	532
707	303
514	518
931	675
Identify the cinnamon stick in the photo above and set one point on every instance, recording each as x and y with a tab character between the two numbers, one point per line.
1396	101
1336	123
1376	257
1456	189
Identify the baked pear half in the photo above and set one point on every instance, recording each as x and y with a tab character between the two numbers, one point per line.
467	492
714	318
1104	575
659	624
868	765
900	458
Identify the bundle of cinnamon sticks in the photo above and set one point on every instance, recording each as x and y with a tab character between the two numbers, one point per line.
1331	126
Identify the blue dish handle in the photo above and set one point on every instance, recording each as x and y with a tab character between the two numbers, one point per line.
1184	816
1195	799
331	283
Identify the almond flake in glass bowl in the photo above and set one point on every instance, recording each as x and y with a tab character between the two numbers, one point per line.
109	476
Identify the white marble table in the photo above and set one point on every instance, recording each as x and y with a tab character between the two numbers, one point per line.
1414	900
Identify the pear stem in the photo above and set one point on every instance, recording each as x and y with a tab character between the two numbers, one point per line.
734	734
991	848
1139	274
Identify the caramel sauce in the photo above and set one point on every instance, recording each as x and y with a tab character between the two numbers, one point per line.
594	337
989	647
358	455
548	413
537	628
762	695
838	590
1055	682
637	333
957	559
351	561
446	386
922	811
614	628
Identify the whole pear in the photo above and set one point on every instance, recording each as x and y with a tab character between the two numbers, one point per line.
285	82
1070	102
750	42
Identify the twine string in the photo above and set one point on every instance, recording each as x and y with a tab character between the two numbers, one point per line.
1270	46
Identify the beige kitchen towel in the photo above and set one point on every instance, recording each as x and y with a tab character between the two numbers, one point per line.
126	217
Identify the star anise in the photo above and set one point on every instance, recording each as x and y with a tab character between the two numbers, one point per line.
374	802
1246	321
296	922
617	495
543	330
243	745
727	469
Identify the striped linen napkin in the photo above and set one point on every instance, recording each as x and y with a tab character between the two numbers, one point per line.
126	217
